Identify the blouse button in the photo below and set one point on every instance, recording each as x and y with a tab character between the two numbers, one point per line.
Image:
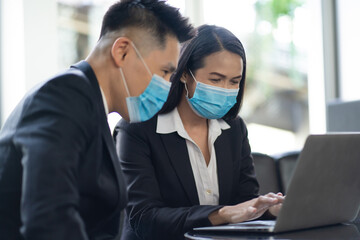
208	191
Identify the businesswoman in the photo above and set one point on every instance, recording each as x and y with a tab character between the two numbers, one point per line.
191	165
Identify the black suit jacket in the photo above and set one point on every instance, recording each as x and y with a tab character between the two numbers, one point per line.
58	161
163	200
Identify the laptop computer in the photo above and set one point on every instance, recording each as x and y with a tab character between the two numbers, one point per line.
324	189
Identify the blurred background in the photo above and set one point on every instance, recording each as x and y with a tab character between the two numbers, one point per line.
302	56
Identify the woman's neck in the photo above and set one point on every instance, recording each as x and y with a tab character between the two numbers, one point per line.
196	127
188	117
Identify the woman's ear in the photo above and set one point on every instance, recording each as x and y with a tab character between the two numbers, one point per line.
184	77
119	50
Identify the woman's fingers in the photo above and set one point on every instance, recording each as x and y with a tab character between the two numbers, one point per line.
279	196
254	208
264	202
275	210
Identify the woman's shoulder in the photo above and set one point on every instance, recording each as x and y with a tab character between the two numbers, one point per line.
237	122
149	125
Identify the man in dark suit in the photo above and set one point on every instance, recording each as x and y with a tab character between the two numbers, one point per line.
59	173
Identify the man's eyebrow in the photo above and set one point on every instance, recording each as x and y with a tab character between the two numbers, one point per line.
170	67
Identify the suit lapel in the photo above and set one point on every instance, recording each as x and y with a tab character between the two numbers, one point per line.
115	160
224	167
179	157
106	135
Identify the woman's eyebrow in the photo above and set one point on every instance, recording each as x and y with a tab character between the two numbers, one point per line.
223	76
218	74
240	76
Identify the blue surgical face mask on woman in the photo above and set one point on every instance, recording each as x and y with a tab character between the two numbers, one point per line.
147	104
209	101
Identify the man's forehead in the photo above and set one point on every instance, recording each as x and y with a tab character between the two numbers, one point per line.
170	51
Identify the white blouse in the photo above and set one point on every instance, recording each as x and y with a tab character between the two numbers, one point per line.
206	178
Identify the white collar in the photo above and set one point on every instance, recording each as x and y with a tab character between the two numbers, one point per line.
104	101
171	122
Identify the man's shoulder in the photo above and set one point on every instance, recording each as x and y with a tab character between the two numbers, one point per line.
69	92
70	77
69	86
66	97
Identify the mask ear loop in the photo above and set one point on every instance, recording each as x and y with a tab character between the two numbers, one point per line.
141	58
193	76
187	91
123	78
145	65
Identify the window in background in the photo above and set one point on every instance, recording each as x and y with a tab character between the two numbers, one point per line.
348	36
181	4
274	36
79	25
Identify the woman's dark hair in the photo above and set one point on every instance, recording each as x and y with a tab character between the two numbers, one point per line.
209	39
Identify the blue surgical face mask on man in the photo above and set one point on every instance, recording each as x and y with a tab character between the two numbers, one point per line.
147	104
211	102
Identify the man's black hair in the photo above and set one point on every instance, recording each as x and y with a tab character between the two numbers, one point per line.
154	16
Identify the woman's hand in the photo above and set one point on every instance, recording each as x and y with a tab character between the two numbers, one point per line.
274	210
248	210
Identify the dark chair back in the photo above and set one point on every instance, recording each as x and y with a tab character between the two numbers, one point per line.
357	219
286	164
266	173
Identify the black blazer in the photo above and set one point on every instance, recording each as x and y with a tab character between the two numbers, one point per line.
163	200
58	158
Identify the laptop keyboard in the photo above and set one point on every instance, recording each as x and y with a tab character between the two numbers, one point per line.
258	223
